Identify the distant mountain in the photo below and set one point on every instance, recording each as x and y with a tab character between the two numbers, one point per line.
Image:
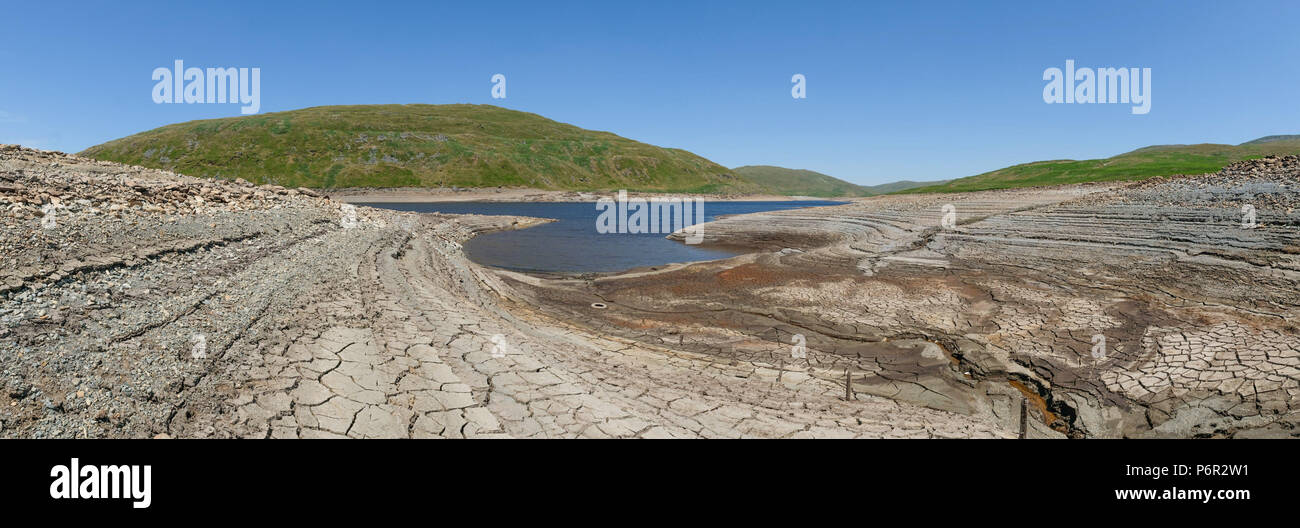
419	146
798	182
1140	164
899	186
801	182
1272	139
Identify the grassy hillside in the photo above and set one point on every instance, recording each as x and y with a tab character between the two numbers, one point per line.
1160	160
417	145
800	182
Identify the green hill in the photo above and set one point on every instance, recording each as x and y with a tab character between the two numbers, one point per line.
418	146
1140	164
800	182
902	185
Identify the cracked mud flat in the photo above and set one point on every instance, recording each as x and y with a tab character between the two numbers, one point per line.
1198	313
311	329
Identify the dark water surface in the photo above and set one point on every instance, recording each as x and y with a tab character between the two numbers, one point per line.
571	244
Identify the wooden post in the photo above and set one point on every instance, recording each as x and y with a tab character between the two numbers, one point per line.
848	384
1024	415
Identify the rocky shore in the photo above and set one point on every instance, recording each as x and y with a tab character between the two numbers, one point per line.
140	303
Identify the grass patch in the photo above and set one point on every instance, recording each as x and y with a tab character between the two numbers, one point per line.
1149	162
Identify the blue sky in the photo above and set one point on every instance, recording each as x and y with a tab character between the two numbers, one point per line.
896	90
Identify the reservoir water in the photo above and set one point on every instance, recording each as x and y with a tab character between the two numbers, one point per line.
572	244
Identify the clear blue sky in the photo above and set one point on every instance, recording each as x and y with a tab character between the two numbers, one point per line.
896	90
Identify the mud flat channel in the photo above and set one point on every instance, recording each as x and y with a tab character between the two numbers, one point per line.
157	304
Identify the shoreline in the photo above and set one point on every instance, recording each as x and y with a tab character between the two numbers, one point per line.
736	250
416	195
